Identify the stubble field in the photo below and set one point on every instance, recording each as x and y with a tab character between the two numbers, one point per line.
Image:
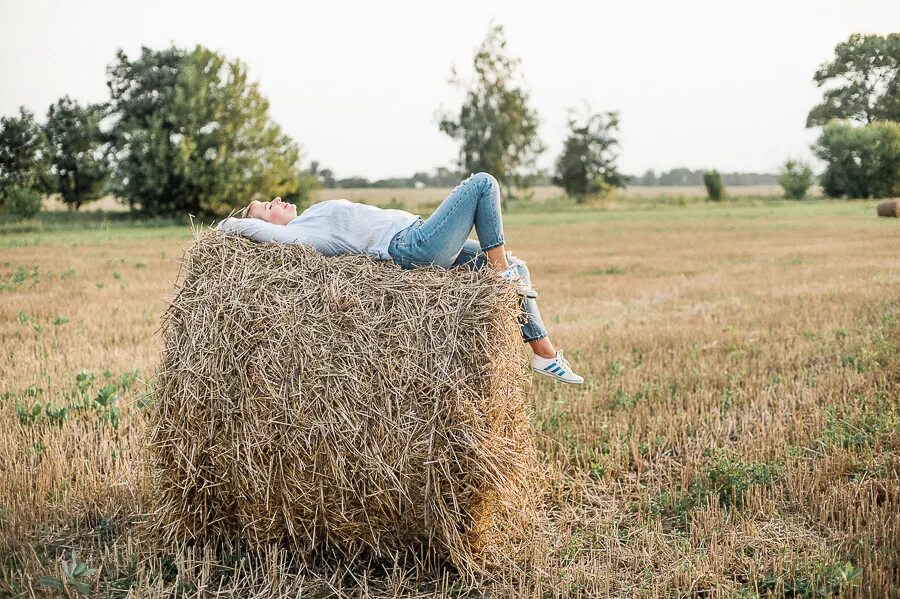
738	433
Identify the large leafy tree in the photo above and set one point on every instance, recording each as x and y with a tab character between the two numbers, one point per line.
862	162
864	80
495	127
77	167
193	134
21	162
587	164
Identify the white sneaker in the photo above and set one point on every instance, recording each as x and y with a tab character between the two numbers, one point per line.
557	368
511	274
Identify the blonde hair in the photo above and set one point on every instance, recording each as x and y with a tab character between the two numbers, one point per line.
245	211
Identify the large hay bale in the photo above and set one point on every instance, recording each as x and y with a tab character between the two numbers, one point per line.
340	403
889	208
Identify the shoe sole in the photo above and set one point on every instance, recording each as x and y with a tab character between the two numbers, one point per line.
556	378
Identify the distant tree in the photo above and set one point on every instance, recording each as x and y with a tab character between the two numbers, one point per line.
308	181
796	178
351	182
24	202
715	189
21	163
587	163
862	162
78	169
192	134
648	178
326	176
866	69
392	182
681	176
444	177
496	127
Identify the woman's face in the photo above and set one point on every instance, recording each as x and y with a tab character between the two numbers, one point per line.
277	212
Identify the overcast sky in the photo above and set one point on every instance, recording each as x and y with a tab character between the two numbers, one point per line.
718	84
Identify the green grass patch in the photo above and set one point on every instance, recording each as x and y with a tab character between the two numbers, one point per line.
19	277
608	270
726	482
878	420
826	582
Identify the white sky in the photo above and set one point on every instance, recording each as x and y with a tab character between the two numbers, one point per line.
718	84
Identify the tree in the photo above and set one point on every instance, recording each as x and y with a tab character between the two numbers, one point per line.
496	127
587	163
796	178
72	146
714	187
867	71
862	162
191	134
326	177
20	153
24	202
680	176
648	178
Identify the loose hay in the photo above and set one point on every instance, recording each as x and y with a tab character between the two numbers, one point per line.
341	404
889	208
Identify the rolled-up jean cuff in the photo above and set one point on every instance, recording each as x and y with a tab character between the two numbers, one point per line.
490	247
538	338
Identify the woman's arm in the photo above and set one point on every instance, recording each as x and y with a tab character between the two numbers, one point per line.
260	230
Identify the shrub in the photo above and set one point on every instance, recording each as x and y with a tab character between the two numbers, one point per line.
24	202
796	178
863	162
714	187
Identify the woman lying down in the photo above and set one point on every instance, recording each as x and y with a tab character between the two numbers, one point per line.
336	227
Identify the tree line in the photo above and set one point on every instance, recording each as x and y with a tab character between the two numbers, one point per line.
186	131
859	116
183	131
685	176
444	177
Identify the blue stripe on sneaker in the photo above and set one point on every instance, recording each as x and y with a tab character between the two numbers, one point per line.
558	370
549	367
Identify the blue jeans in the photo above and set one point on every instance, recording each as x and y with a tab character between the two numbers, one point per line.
443	240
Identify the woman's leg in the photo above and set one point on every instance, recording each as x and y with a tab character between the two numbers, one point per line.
535	333
439	240
546	359
530	323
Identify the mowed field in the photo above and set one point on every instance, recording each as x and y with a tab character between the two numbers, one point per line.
738	434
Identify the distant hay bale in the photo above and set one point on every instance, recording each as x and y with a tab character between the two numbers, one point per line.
889	208
341	404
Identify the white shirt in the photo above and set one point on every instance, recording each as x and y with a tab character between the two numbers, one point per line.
332	227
